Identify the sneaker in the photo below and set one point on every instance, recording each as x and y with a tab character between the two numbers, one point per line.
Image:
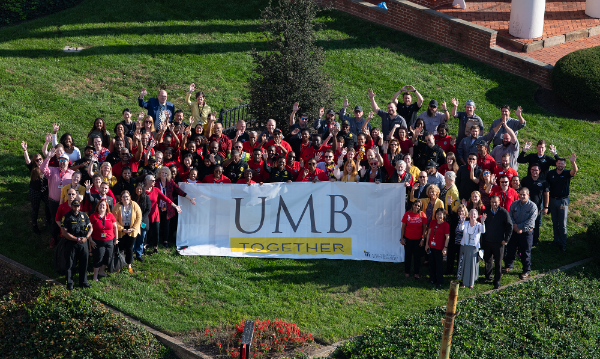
130	270
141	259
524	276
70	286
85	285
496	285
506	270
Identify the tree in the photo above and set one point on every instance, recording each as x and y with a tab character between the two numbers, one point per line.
291	70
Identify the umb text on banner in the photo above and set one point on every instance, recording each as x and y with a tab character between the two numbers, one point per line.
335	220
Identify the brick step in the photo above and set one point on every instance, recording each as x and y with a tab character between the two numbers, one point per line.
549	41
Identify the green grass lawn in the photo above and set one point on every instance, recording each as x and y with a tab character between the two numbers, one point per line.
130	45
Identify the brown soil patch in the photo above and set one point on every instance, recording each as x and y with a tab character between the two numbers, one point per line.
590	204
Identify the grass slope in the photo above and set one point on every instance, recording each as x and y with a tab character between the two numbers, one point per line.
130	45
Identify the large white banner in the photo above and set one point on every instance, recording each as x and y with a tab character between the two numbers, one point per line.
334	220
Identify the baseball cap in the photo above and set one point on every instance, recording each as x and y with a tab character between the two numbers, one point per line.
152	158
75	203
64	155
433	103
470	102
331	112
358	109
431	164
345	123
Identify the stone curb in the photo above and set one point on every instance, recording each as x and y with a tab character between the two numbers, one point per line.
550	41
181	350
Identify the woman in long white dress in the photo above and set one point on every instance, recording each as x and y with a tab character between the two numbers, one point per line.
468	263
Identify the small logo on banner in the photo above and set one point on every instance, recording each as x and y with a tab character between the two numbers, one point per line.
367	254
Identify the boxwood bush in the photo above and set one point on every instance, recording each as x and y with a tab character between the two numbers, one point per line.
576	79
593	238
557	316
62	324
14	11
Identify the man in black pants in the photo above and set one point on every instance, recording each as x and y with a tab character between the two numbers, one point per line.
539	193
76	229
498	230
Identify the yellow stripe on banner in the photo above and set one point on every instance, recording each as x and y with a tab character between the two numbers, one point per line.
293	245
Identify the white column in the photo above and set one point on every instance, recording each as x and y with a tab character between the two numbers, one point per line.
527	18
592	8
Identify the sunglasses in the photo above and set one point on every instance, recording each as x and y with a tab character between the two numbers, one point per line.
312	164
39	160
328	156
472	159
503	181
62	161
237	146
422	176
374	164
304	118
148	121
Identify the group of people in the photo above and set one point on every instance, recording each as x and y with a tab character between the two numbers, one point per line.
464	192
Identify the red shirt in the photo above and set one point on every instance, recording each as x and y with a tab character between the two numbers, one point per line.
117	169
320	174
310	152
63	209
443	169
510	172
259	168
506	199
414	224
444	143
294	169
103	228
277	148
212	179
224	144
248	148
155	194
437	239
243	181
486	163
184	172
405	146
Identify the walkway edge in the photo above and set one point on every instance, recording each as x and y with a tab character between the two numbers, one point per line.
179	348
185	352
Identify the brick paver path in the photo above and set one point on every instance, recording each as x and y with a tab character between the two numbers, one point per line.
561	16
552	54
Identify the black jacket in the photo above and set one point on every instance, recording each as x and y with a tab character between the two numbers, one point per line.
498	227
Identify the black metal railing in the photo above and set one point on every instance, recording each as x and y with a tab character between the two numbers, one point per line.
228	118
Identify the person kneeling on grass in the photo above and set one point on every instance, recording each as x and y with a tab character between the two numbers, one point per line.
437	241
468	263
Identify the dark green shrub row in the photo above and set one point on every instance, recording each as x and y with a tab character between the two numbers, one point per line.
593	238
14	11
557	316
576	79
62	324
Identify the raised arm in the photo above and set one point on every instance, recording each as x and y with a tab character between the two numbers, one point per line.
55	128
454	107
573	158
446	114
25	154
45	146
188	95
371	95
295	109
519	113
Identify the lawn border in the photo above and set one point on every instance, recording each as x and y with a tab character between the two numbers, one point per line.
185	352
180	349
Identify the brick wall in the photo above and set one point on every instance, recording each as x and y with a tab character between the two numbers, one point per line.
467	38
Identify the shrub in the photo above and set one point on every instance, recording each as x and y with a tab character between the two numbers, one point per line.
557	316
292	68
593	236
63	324
576	79
14	11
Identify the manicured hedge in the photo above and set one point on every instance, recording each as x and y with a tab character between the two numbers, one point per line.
576	79
557	316
593	238
62	324
14	11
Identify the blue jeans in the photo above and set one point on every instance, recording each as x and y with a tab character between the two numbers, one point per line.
138	247
559	208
